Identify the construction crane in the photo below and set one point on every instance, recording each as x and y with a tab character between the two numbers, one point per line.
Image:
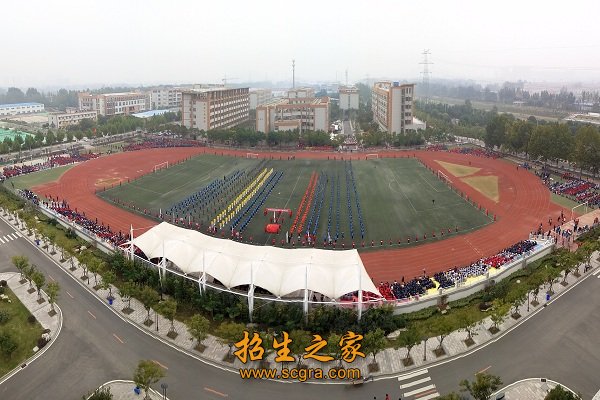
225	79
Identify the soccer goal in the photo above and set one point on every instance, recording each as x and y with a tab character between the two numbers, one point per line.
580	205
251	155
163	165
444	177
371	156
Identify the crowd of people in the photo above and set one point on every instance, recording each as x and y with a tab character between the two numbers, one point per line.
161	142
54	161
576	189
476	151
419	285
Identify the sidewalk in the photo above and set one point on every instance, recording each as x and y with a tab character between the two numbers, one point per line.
123	390
529	389
390	360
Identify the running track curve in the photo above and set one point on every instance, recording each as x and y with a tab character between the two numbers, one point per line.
524	204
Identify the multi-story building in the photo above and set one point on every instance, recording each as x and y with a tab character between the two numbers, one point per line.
20	108
214	107
110	104
348	98
164	98
70	117
392	106
300	110
259	96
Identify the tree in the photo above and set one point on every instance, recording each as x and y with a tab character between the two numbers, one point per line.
558	393
29	272
229	333
498	314
108	279
442	329
198	327
100	394
52	292
147	373
300	341
374	342
51	235
149	298
21	263
495	131
40	280
586	152
333	345
468	323
126	291
95	266
452	396
168	308
483	386
409	339
587	249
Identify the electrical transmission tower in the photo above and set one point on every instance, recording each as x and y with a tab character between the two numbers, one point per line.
426	63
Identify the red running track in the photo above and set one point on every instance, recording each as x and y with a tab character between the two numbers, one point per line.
524	203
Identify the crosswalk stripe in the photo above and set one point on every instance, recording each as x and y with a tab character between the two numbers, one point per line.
414	383
18	234
13	236
596	272
420	390
412	375
430	396
7	238
1	240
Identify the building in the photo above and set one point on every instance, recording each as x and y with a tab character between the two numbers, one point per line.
149	114
392	106
300	110
110	104
161	98
348	98
71	116
20	108
214	107
259	96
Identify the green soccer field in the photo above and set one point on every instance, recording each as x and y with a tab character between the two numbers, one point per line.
399	198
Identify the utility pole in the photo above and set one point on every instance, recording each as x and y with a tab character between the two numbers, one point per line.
426	63
293	74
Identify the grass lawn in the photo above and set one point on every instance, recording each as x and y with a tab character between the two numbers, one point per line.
396	196
24	333
38	178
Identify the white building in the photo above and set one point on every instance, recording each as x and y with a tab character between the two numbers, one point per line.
392	106
348	98
110	104
20	108
161	98
214	107
300	110
259	96
70	117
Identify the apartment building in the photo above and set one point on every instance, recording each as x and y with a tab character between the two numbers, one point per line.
161	98
208	108
110	104
259	96
71	116
348	98
20	108
300	110
392	106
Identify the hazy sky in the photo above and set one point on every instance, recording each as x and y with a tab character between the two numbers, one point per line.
49	43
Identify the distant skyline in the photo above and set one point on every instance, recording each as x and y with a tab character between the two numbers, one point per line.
135	42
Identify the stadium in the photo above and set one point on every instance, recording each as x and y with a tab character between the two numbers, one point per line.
311	226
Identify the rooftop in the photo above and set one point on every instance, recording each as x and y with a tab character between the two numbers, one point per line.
20	105
148	114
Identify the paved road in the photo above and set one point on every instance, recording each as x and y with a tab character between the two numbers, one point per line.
557	343
347	128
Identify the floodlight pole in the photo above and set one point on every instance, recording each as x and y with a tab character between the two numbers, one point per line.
131	243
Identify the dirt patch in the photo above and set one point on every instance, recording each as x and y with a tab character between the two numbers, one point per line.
486	185
407	362
458	170
469	342
107	182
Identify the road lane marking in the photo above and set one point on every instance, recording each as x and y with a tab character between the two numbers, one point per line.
596	272
51	278
422	390
70	295
159	364
483	370
1	240
215	392
412	375
118	338
429	396
93	316
414	383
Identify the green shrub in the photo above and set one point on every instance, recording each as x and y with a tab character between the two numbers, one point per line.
31	319
4	317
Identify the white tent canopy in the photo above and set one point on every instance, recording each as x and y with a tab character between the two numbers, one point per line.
280	271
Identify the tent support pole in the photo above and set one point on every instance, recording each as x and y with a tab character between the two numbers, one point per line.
251	293
360	294
306	293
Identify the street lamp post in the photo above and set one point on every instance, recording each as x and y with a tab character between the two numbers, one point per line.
424	349
156	313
